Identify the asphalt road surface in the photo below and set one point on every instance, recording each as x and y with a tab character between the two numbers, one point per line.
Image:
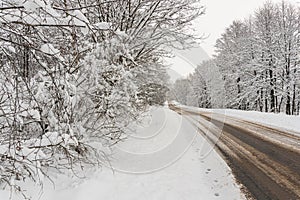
264	160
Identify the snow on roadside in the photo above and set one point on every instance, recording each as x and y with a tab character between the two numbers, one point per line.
161	159
279	120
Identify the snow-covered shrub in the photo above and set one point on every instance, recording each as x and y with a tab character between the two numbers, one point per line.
70	72
54	119
152	94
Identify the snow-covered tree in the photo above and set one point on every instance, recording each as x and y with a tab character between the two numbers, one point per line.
70	72
259	60
233	59
181	90
203	88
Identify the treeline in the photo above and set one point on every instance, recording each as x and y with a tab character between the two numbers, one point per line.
258	59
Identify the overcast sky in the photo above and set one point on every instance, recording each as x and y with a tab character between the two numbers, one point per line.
220	14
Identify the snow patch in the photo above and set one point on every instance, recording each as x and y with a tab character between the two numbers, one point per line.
191	176
33	5
49	49
103	25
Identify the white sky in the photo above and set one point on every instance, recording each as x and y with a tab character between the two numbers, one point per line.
221	13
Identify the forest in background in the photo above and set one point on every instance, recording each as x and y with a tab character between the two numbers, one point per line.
256	66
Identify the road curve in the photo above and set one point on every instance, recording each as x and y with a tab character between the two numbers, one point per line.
266	161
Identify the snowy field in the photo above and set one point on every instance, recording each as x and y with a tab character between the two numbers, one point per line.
163	158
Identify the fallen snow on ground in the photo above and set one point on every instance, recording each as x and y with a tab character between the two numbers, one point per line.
163	158
279	120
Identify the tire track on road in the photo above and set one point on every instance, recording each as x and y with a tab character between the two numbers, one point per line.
267	169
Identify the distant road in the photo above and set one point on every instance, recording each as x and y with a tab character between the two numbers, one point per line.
266	161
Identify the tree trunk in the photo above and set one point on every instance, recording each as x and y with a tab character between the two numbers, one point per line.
266	94
294	100
239	92
272	93
266	101
260	100
288	104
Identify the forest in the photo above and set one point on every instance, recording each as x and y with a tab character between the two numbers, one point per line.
256	63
